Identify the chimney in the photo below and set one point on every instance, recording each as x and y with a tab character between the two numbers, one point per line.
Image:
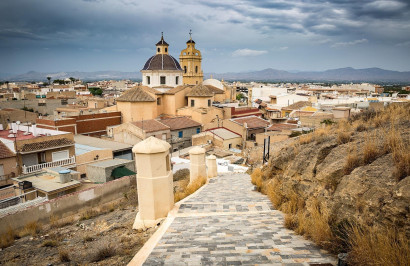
34	129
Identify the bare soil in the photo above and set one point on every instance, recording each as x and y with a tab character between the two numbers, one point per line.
101	236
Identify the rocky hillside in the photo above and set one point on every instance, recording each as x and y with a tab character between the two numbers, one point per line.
352	176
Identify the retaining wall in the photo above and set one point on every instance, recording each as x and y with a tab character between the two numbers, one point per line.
68	205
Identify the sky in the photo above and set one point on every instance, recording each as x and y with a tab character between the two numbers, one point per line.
232	35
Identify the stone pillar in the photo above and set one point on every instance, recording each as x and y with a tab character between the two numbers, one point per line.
154	182
198	168
212	167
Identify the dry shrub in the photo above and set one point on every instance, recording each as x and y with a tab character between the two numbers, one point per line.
49	243
343	137
181	174
56	222
361	127
322	134
274	193
103	252
293	203
370	151
88	238
352	161
7	239
32	229
191	188
88	214
317	225
306	138
376	246
63	255
394	143
256	178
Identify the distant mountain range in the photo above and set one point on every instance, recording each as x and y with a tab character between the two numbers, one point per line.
347	74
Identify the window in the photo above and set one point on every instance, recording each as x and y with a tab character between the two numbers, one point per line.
192	103
148	80
158	101
166	49
196	69
198	130
230	145
162	80
209	102
164	136
176	80
159	49
180	134
185	69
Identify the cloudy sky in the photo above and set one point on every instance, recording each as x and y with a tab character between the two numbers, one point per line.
233	35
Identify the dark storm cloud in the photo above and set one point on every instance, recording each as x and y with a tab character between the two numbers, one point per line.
129	26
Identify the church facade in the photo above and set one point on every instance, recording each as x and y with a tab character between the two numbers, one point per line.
170	88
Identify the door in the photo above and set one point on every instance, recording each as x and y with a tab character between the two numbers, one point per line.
60	155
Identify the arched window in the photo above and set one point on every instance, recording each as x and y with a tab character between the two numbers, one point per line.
166	49
148	80
159	49
185	69
196	69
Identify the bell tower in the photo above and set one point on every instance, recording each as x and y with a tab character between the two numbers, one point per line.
162	46
190	61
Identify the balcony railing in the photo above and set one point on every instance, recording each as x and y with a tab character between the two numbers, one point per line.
38	167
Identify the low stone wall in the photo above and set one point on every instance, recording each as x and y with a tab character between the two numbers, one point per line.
69	204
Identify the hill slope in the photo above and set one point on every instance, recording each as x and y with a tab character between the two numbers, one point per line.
348	184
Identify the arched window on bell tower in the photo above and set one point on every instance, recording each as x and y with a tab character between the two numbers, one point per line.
185	69
196	69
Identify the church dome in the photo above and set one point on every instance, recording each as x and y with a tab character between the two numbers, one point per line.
162	62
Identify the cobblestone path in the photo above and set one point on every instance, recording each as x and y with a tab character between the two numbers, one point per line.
228	223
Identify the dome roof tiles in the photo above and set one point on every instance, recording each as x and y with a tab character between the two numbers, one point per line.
162	62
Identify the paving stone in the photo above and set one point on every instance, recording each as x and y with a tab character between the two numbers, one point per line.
228	223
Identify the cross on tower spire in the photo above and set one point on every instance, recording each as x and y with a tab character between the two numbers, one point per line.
190	34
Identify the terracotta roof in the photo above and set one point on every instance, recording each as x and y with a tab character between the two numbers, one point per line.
215	89
137	94
151	125
200	91
5	152
280	127
298	105
162	62
44	145
176	89
252	121
180	123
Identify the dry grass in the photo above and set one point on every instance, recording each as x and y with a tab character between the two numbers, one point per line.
343	137
352	161
49	243
256	178
88	214
274	193
32	229
370	151
181	174
394	143
56	222
7	239
376	246
63	255
306	138
104	252
190	188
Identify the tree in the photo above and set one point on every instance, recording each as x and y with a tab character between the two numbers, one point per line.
239	96
95	91
49	78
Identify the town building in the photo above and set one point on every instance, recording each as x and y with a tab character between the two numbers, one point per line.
8	165
119	150
218	137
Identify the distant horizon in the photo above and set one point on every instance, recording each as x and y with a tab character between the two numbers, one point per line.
232	35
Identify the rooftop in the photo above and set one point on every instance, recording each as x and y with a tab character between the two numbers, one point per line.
109	163
5	152
224	133
137	94
81	149
101	143
176	123
151	125
251	121
22	132
48	182
280	127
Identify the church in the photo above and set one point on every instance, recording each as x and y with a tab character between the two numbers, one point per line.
170	88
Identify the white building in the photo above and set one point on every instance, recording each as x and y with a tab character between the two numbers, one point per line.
162	70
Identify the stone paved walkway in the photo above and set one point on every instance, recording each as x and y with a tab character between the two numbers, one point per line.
228	223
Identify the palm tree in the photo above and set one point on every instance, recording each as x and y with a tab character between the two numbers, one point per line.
49	78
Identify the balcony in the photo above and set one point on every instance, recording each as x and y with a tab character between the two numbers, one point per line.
37	167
